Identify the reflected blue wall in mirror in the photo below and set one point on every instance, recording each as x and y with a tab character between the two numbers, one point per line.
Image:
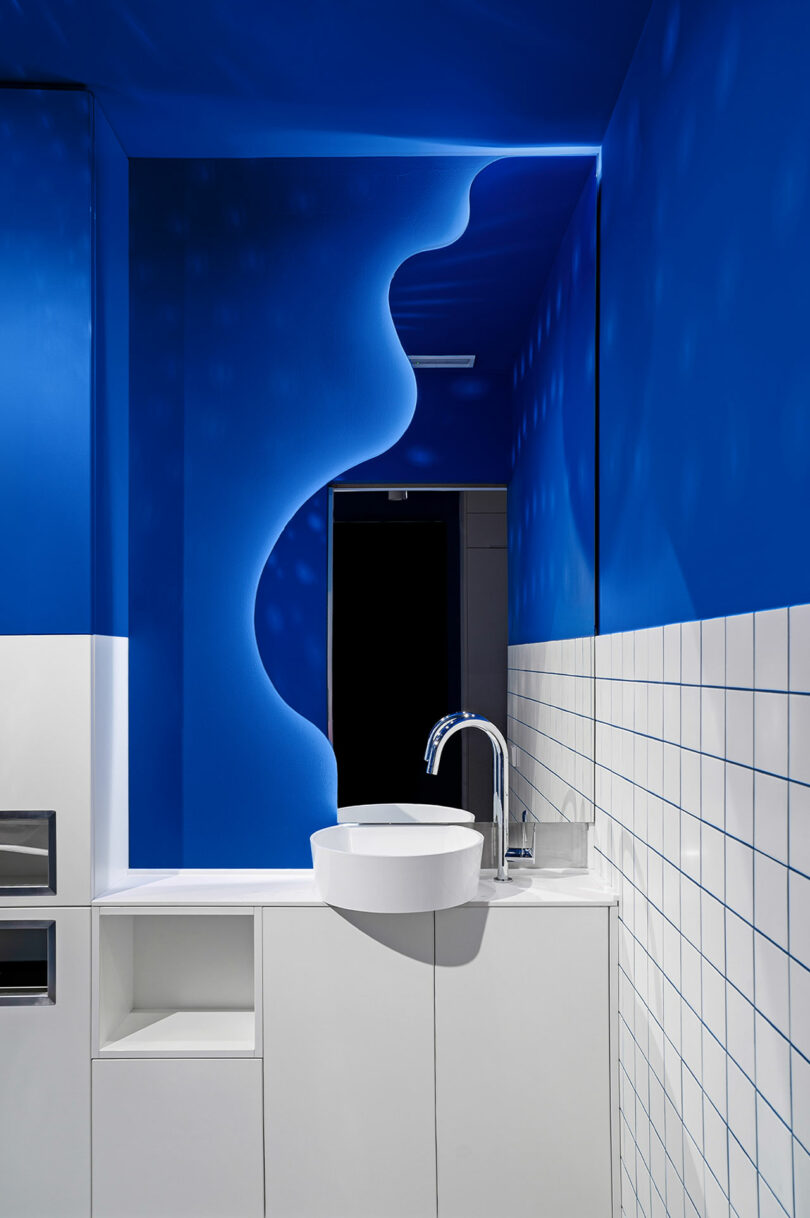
472	297
552	491
279	368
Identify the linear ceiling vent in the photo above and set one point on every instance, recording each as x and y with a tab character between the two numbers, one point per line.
442	361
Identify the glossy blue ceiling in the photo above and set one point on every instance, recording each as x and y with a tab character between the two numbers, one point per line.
331	76
478	295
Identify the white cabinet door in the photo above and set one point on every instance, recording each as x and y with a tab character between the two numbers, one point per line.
349	1080
45	1080
178	1138
522	1063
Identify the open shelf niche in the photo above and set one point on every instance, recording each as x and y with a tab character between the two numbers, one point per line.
177	983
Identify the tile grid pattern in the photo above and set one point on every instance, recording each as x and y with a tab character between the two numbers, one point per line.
703	824
550	729
698	738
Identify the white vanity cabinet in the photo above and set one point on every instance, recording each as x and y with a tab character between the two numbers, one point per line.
45	1063
523	1089
348	1057
177	1138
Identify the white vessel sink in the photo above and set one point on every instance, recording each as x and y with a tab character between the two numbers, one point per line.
396	868
403	814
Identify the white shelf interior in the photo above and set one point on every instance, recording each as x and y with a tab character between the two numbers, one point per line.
176	984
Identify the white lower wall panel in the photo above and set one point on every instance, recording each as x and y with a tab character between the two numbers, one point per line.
178	1139
45	1083
349	1082
524	1111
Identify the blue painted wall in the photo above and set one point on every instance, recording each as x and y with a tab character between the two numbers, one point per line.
156	481
551	494
64	357
292	373
705	381
110	433
45	355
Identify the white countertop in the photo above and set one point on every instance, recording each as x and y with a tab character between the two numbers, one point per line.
544	886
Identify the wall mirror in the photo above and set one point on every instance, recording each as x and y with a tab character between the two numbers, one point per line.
273	305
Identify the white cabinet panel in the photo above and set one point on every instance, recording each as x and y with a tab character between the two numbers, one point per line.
45	1082
349	1081
45	759
522	1063
177	1139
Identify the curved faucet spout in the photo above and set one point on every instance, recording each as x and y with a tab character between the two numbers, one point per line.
440	733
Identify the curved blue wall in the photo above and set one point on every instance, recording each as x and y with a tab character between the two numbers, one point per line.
292	373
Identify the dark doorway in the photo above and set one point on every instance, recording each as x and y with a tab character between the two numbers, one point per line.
396	644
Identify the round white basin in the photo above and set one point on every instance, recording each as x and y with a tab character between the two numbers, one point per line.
396	868
403	814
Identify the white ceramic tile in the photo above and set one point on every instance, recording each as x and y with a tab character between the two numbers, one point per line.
672	653
713	651
740	651
740	878
800	1008
690	914
799	823
713	931
770	898
740	802
740	726
800	737
713	721
800	1092
690	653
742	1109
713	861
715	1138
714	1071
690	846
742	1182
801	1179
771	816
773	1067
692	1041
691	971
712	788
799	911
713	1000
690	717
771	649
799	644
740	1030
771	732
740	954
771	982
775	1155
690	782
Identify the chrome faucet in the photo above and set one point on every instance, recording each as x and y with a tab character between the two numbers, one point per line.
440	733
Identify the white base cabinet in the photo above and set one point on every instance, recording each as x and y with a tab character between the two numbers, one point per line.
523	1096
349	1079
177	1138
45	1080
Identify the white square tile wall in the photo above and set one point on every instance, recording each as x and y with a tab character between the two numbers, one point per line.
702	799
551	730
